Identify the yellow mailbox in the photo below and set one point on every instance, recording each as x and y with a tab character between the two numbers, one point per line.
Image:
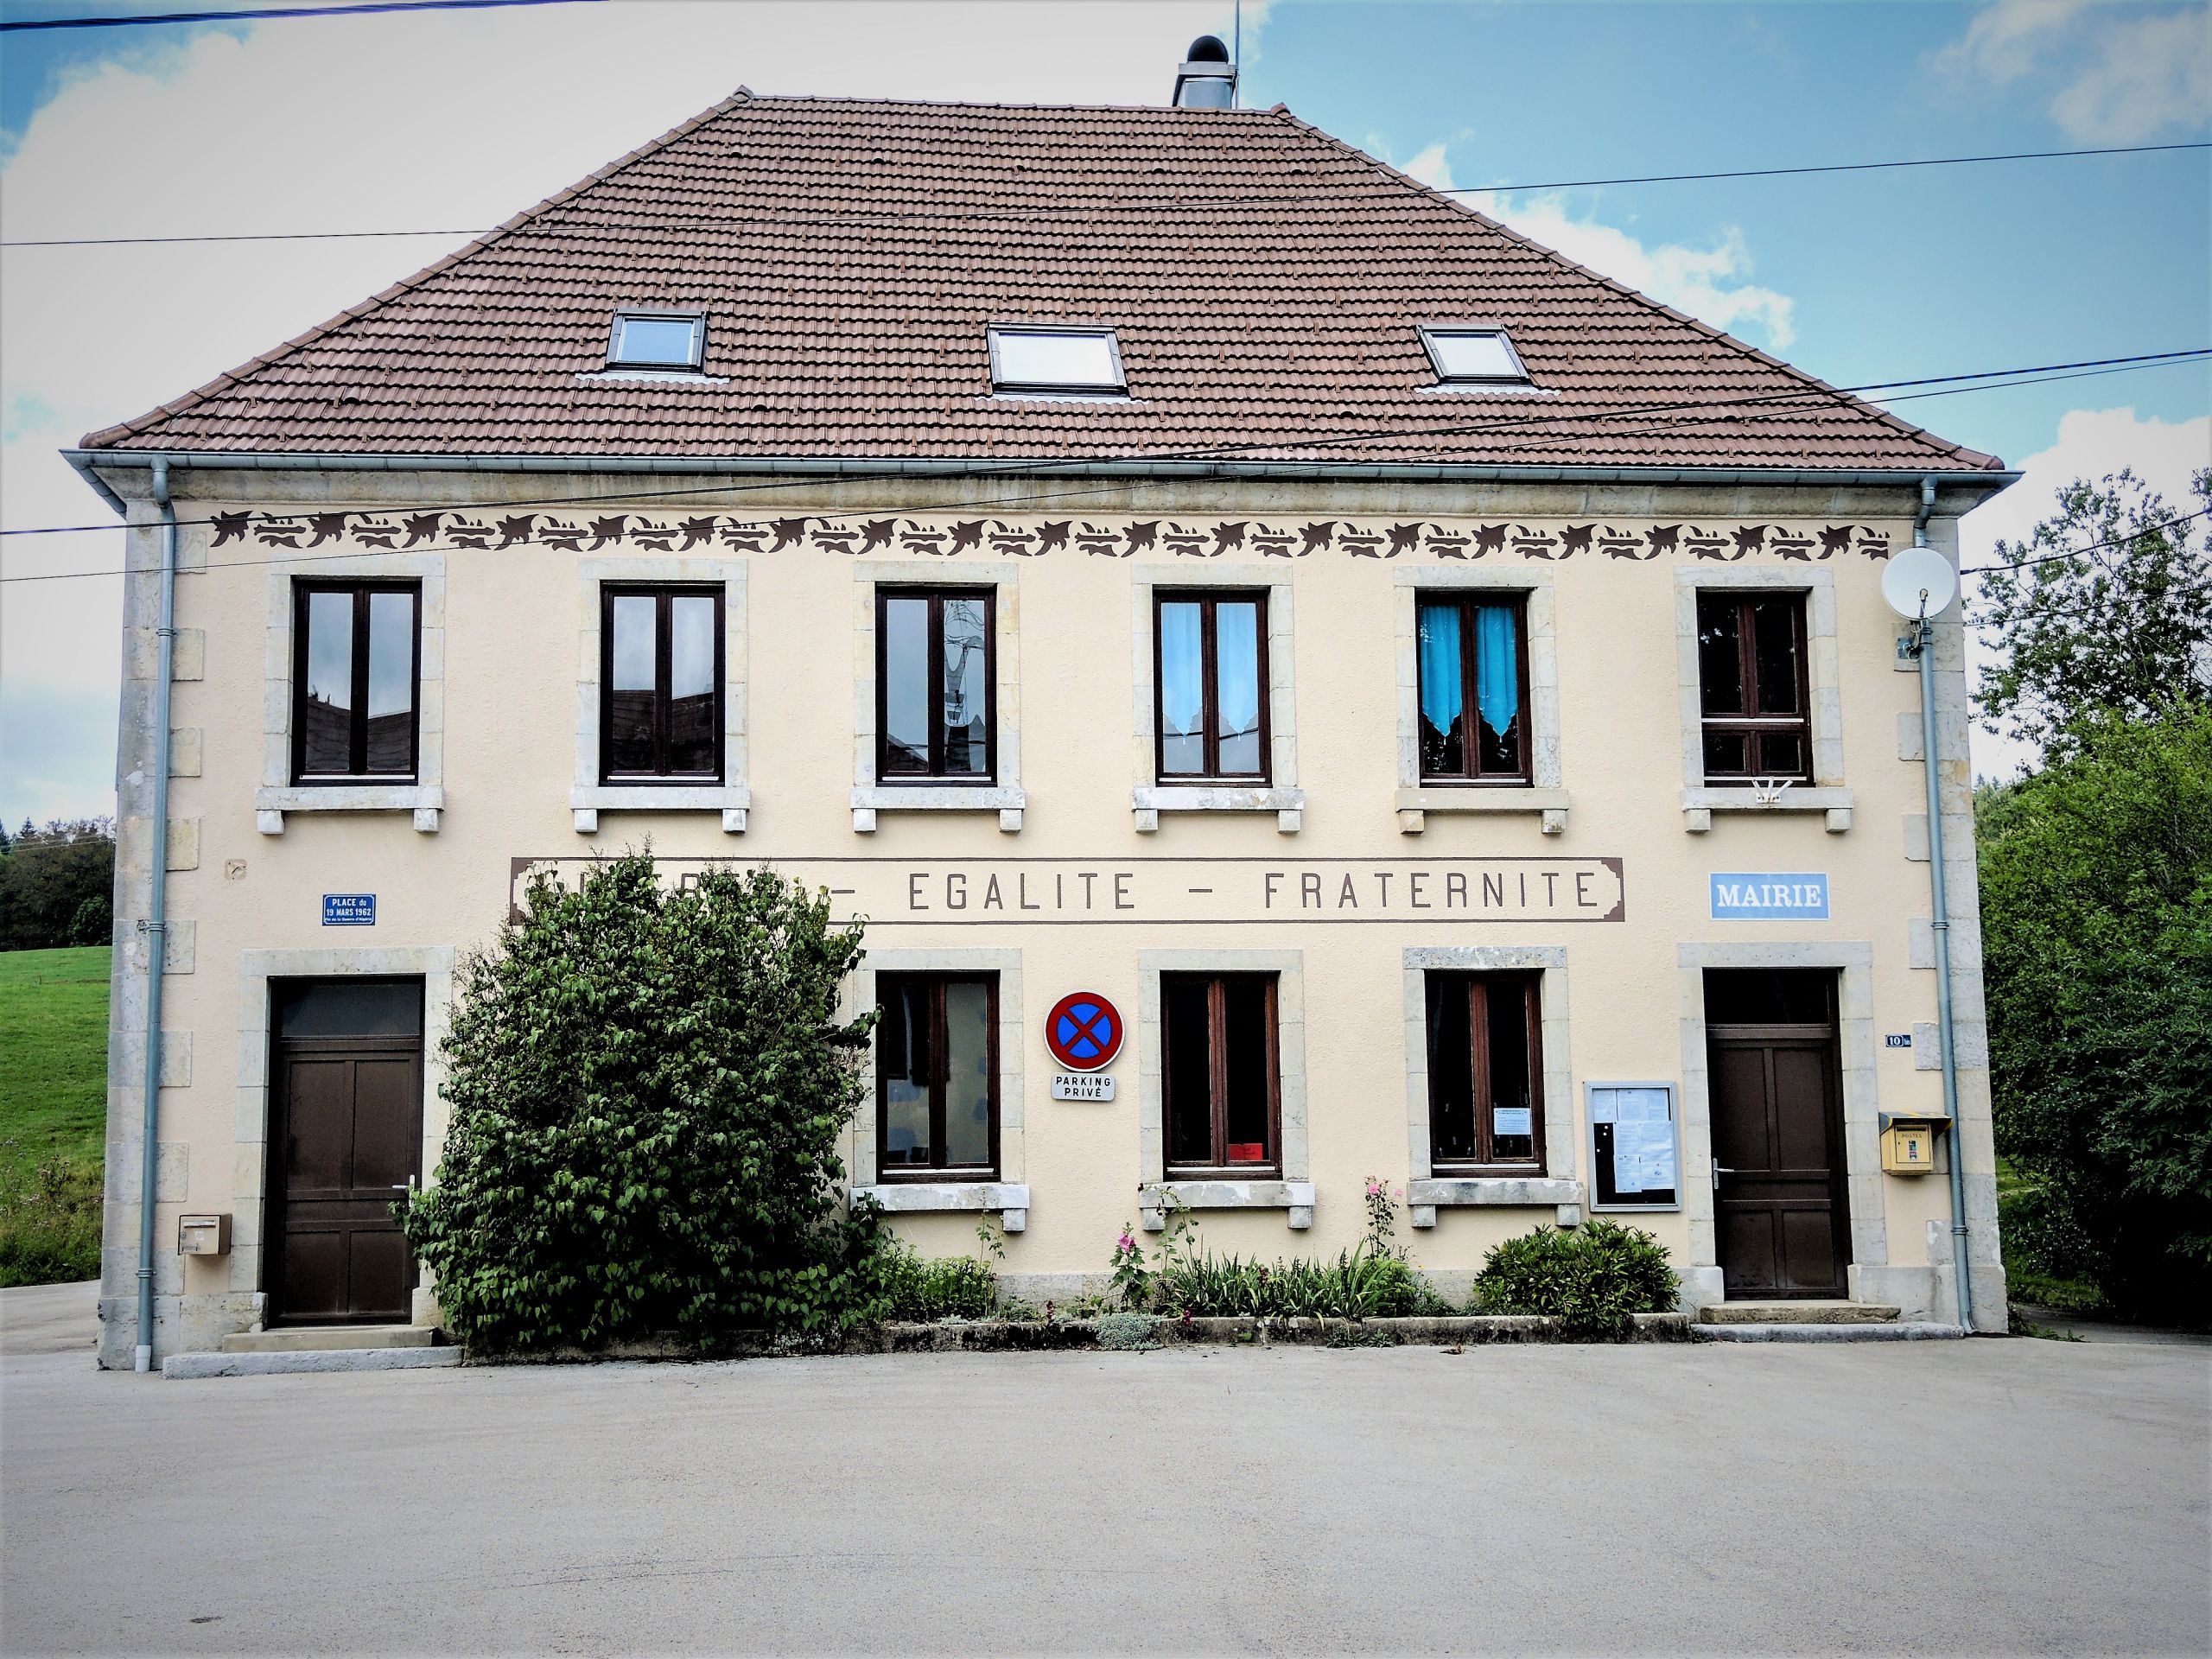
1909	1143
203	1234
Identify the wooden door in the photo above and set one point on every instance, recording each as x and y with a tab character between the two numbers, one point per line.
1781	1206
346	1138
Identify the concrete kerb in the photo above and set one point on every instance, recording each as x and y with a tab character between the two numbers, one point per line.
1897	1330
192	1367
1040	1336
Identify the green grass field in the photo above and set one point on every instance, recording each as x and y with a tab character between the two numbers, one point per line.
53	1054
53	1112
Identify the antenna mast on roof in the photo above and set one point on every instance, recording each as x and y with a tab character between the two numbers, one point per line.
1236	47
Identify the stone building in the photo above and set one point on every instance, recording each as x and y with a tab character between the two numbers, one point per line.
1158	565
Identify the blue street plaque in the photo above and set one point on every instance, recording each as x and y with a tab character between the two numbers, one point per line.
1770	896
349	910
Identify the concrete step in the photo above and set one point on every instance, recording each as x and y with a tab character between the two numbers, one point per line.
311	1338
1805	1312
296	1361
1894	1331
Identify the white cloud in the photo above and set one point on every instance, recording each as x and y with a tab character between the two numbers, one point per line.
2116	75
1704	282
2091	442
453	120
1707	282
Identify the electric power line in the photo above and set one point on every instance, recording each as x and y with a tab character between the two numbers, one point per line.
2094	547
1102	487
261	13
1693	413
1164	204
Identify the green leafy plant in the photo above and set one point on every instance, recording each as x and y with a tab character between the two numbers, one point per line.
1594	1278
1126	1331
1132	1283
943	1287
1360	1283
648	1089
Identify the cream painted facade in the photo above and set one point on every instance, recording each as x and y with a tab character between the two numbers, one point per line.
1616	816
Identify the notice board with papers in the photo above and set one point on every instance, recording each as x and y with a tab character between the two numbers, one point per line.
1636	1147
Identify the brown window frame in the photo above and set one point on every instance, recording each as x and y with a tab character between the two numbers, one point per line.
1217	1082
1477	986
939	1170
1755	726
1465	602
662	593
937	776
1208	598
356	771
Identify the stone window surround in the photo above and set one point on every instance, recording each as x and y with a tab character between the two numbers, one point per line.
1002	796
731	798
1426	1194
1825	794
1861	1102
436	963
1282	796
1542	795
1009	1196
278	795
1293	1192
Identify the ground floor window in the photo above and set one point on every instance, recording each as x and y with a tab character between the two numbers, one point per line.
1221	1079
937	1076
1485	1073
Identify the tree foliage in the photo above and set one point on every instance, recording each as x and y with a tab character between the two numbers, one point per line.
49	878
648	1088
2126	628
2096	894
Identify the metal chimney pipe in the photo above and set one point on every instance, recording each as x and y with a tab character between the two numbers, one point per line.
1206	79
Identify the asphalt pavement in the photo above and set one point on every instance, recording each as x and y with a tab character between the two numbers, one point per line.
1991	1496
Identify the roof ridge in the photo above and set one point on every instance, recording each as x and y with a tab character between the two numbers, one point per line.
1943	446
235	376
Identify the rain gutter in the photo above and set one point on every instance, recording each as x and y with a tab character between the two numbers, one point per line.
156	925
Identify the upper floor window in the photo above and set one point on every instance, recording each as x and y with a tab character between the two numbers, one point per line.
1485	1073
1474	688
937	1076
660	680
357	665
1220	1072
1210	668
935	679
1472	357
1752	684
1044	358
657	340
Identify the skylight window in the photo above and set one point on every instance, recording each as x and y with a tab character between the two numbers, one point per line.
1473	357
1085	362
657	340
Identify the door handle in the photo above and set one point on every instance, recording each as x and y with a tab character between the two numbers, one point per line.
1718	1170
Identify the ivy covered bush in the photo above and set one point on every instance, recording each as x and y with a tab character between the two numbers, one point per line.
648	1089
1594	1278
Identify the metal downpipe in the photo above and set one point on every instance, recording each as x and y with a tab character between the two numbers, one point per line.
1940	928
156	922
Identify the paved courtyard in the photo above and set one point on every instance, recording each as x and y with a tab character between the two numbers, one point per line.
1935	1498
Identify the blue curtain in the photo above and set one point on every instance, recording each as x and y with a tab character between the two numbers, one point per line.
1439	665
1497	668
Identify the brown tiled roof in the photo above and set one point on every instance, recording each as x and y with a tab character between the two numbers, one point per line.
1265	279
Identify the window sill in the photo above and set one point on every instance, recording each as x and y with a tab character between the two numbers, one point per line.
1702	802
269	806
1009	1200
1149	802
1155	1198
1415	804
731	800
1004	799
1424	1199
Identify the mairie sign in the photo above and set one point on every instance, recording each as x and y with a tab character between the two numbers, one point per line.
1763	896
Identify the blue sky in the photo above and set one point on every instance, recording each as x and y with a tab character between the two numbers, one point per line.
460	118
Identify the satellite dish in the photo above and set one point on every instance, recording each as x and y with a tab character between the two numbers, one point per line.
1919	582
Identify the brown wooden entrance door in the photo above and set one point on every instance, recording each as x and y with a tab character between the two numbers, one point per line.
1780	1204
346	1136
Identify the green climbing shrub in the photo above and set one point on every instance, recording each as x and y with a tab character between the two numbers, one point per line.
648	1088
